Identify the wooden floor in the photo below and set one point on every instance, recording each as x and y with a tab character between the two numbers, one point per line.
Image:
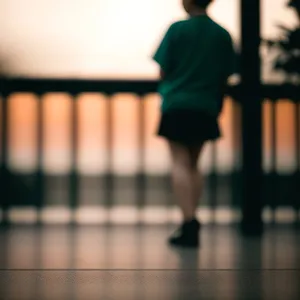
128	262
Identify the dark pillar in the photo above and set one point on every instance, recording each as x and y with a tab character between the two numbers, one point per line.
251	118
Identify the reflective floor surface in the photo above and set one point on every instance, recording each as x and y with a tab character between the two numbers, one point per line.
130	262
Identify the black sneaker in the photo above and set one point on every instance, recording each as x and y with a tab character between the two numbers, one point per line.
187	235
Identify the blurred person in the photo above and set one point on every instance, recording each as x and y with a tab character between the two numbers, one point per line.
196	58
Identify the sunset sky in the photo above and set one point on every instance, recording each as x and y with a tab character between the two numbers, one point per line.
113	39
104	38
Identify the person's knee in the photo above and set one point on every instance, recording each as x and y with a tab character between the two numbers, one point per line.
182	166
185	166
195	153
185	158
194	167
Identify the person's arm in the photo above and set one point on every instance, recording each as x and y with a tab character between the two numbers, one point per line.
163	54
231	59
223	90
230	69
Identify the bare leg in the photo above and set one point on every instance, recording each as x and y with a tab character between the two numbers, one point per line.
186	178
196	174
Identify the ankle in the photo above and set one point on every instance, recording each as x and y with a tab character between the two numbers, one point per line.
190	220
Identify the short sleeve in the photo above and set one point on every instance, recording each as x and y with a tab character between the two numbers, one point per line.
231	58
163	54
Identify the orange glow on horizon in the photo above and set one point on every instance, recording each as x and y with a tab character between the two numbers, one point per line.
125	129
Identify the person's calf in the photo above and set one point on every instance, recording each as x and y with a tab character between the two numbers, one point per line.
184	191
198	187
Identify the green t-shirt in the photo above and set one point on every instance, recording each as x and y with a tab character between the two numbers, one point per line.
196	57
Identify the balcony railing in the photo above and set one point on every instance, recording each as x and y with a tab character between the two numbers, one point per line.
142	189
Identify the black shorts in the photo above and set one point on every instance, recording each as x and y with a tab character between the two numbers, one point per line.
188	127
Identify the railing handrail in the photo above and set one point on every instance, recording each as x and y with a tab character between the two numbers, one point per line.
77	86
141	87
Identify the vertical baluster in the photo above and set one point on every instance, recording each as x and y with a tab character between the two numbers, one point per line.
213	184
297	175
109	147
236	143
74	176
273	175
4	158
141	178
74	181
40	176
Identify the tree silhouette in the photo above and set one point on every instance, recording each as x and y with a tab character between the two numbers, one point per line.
288	59
296	5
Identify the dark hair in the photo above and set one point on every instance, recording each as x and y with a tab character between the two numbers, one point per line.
202	3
